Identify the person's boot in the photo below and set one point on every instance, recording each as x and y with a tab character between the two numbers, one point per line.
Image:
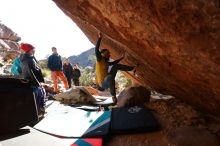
41	112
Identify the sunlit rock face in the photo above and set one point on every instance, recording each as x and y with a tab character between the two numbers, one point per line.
176	43
9	47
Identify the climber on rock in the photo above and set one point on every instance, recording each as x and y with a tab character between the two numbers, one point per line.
106	79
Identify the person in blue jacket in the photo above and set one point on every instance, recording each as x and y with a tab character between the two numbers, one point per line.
55	66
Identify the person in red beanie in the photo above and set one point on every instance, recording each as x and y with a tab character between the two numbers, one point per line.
27	47
30	67
31	71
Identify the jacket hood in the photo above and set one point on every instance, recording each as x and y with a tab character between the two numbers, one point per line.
24	57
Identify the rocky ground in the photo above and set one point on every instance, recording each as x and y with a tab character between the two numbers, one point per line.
181	125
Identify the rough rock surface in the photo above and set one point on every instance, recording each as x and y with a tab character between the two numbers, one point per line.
175	42
77	95
134	95
194	136
9	47
180	123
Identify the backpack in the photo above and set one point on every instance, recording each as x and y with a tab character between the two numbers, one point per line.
16	67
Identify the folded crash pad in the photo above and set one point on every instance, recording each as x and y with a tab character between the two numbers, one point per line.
88	142
101	101
104	102
66	121
133	119
86	108
17	104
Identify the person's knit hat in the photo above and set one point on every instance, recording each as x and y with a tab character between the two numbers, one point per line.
26	47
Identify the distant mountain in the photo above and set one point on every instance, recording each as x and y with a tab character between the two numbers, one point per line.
84	59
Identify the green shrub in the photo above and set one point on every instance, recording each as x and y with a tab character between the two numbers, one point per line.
46	73
87	76
122	81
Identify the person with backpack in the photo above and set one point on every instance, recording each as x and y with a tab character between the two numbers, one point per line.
31	71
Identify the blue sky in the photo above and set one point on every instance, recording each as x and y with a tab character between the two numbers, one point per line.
42	24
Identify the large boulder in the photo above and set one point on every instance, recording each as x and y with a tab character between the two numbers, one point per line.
76	95
176	43
135	95
9	47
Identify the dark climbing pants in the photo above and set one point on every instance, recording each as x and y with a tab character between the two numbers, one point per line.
76	82
40	95
69	81
109	81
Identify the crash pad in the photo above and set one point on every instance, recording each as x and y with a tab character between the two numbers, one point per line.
33	137
132	120
104	102
30	138
86	108
17	104
88	142
66	121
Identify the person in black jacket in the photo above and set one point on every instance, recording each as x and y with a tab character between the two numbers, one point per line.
30	67
105	77
68	71
31	71
76	75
